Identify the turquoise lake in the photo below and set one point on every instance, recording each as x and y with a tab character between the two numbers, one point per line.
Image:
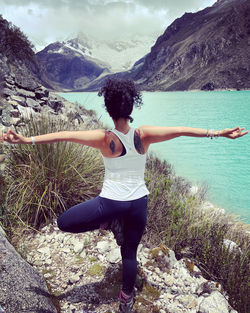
222	164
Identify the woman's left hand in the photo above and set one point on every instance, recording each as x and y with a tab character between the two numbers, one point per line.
233	133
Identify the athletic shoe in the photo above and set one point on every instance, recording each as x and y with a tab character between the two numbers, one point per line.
126	306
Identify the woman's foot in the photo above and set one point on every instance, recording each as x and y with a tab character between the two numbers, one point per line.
126	302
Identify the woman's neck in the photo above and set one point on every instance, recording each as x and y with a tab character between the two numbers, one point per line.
122	125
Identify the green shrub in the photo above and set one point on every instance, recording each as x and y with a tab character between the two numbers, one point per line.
43	180
176	219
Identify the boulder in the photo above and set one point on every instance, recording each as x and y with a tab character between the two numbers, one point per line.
5	117
33	104
41	92
8	92
214	303
19	99
25	93
23	289
55	104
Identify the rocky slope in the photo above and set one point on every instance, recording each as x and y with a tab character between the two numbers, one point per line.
207	50
18	61
84	275
22	81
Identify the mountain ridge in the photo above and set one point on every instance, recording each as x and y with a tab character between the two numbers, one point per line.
206	50
200	48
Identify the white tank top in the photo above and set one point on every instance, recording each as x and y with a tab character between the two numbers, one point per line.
124	175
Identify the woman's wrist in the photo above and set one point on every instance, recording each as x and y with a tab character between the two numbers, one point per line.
29	140
211	133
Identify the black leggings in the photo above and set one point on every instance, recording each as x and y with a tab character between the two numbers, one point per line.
90	214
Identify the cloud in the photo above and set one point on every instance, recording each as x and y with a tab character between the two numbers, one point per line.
45	21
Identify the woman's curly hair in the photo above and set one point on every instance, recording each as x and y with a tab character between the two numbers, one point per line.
120	96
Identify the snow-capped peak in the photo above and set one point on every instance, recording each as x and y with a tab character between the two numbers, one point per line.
117	55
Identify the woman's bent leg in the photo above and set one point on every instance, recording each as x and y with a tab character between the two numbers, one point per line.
82	217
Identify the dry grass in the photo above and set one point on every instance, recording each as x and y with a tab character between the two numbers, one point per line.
43	180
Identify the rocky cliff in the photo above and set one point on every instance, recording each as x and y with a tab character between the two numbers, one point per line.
18	62
207	50
23	82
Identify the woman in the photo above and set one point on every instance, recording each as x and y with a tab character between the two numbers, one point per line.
124	193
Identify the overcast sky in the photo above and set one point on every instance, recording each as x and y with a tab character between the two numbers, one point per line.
46	21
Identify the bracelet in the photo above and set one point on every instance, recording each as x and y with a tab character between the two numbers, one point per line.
211	133
33	140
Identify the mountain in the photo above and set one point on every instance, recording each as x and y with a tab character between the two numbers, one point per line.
75	63
68	67
118	54
18	62
206	50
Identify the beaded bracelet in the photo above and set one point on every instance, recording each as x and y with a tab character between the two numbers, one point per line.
211	134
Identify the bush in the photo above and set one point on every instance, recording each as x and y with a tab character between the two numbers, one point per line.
176	219
44	180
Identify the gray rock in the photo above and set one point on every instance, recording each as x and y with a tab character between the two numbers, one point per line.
25	93
41	92
8	85
170	259
231	246
8	92
114	256
55	104
14	113
43	101
23	289
33	104
9	80
5	118
19	99
214	303
103	246
78	247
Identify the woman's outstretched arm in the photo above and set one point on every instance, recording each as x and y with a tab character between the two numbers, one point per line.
153	134
93	138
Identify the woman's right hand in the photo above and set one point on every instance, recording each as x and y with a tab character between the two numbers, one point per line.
13	137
